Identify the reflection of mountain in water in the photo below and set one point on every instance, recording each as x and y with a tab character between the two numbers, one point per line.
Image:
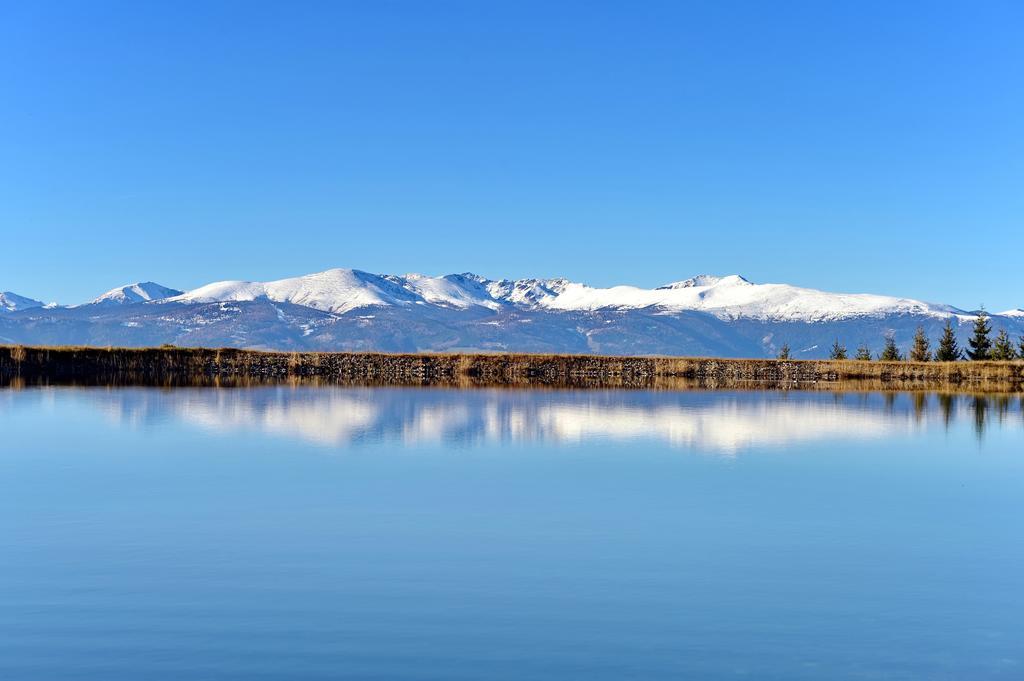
718	422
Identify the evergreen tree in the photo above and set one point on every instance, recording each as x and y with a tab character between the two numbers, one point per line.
890	353
1003	349
863	353
949	349
1020	352
979	344
921	350
838	351
784	351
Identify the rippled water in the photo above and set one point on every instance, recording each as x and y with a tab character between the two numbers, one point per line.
316	533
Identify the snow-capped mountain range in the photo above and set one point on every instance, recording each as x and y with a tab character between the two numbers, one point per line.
341	291
344	309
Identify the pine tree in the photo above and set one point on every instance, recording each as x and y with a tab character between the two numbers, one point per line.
784	351
890	353
863	353
921	350
1003	349
980	345
838	351
949	349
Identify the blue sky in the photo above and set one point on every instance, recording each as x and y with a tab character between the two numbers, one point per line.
848	146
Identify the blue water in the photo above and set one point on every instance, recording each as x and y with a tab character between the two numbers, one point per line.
304	533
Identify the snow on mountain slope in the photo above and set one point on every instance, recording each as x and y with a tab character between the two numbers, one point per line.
337	290
729	297
141	292
734	297
343	290
699	280
453	290
12	302
527	292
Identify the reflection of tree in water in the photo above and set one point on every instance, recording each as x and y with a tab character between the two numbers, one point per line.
947	403
983	409
980	405
920	406
1002	405
986	406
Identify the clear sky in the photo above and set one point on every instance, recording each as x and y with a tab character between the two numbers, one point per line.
858	146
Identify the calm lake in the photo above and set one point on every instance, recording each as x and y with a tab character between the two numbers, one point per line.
375	533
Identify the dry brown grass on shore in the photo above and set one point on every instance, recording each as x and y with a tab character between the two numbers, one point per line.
172	365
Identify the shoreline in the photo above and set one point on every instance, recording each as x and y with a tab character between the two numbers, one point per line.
227	366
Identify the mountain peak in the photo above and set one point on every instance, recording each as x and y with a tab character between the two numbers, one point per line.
139	292
12	302
704	280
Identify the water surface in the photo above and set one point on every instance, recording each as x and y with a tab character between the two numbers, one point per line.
322	533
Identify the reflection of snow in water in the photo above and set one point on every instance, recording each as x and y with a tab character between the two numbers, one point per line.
722	427
723	423
716	422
